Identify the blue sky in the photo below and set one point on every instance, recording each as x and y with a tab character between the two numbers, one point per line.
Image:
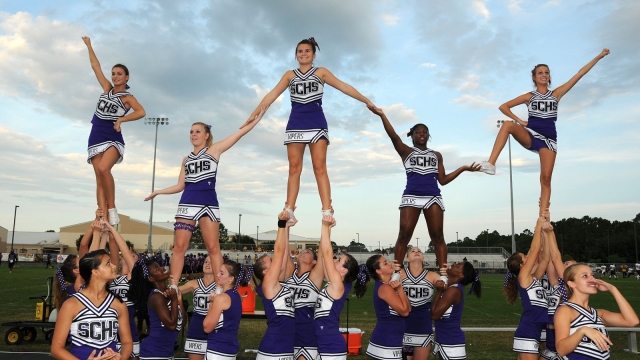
446	64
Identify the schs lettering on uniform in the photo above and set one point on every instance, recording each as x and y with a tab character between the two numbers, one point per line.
423	161
303	88
540	294
98	330
417	293
300	293
192	168
107	106
203	301
544	106
288	302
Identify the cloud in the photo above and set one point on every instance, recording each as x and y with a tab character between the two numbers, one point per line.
400	114
390	20
428	65
477	101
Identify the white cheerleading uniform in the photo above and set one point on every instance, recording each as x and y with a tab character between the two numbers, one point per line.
307	123
196	342
120	287
94	327
541	125
109	109
587	349
305	294
422	189
199	197
418	330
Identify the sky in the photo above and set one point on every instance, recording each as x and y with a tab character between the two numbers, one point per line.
446	64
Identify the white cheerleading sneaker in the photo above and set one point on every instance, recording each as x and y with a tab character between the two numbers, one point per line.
487	168
114	219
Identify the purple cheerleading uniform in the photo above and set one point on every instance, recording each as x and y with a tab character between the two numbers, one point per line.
533	319
199	196
554	297
541	125
305	295
196	342
418	331
587	349
450	339
386	339
103	136
70	290
278	340
94	327
422	189
307	123
120	287
331	344
160	342
222	342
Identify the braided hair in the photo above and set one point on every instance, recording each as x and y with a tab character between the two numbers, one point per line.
64	274
140	287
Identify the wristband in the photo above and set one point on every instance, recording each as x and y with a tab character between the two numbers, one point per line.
282	224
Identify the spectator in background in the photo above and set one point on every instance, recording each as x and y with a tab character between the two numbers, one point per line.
13	259
48	262
0	258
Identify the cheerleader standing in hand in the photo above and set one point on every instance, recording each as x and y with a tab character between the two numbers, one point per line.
446	310
521	278
425	169
106	144
199	201
223	318
277	342
341	273
538	134
392	307
196	344
418	284
580	329
94	329
307	123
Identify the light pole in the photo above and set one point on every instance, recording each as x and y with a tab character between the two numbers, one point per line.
608	247
239	220
155	122
457	246
380	247
561	245
513	231
358	237
487	241
13	232
257	231
418	243
635	239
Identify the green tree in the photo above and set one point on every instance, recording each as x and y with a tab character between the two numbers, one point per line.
224	234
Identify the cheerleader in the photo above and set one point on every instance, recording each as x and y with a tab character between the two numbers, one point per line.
341	273
121	285
522	278
163	307
277	342
307	123
222	321
196	344
305	280
392	306
538	133
418	284
199	201
425	169
106	144
93	329
446	309
580	329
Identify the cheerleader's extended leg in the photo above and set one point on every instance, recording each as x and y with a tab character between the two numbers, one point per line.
106	191
295	153
408	219
183	230
434	215
520	134
547	162
319	160
211	236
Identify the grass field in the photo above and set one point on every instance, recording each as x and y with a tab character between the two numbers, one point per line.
489	311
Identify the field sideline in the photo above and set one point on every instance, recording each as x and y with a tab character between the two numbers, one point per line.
490	311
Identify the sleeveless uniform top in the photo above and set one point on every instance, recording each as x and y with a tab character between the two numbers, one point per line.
389	329
587	349
279	311
200	171
109	109
306	91
543	113
94	327
120	287
422	173
327	312
160	341
447	328
201	297
534	302
224	338
420	291
305	294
